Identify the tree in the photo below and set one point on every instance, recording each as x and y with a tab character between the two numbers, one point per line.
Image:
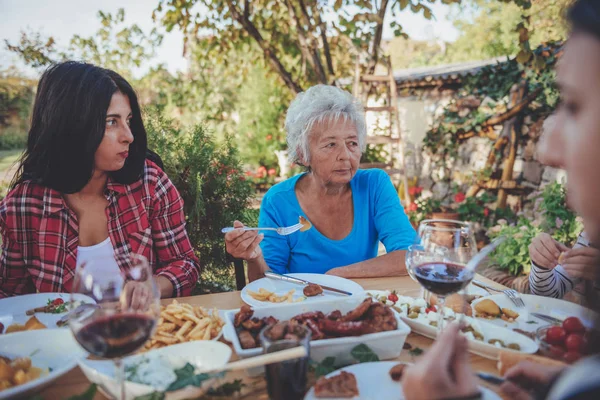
122	49
295	37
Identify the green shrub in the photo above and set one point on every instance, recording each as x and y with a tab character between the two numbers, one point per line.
553	217
12	138
210	180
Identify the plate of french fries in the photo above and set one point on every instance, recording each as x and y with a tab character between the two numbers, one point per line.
181	322
266	292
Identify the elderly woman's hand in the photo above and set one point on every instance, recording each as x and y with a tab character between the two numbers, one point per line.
444	371
243	244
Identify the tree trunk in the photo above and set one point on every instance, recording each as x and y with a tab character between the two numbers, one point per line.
267	49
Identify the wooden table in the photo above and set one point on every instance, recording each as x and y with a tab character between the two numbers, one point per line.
75	382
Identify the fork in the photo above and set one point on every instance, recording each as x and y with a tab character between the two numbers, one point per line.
283	231
512	294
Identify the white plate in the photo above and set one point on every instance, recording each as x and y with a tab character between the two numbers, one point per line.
556	308
201	354
470	289
482	348
281	288
375	383
13	309
55	349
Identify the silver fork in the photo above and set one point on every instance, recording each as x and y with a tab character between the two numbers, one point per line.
283	231
512	294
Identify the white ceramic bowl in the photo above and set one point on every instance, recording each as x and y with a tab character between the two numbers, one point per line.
205	354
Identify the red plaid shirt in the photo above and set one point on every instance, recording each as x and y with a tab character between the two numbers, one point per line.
40	234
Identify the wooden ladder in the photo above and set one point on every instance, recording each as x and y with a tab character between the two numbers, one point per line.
394	137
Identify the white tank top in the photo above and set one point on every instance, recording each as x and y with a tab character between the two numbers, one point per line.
103	250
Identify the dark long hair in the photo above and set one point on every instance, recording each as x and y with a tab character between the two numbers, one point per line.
584	16
67	126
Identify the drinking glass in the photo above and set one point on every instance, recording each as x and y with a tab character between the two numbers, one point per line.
286	380
438	258
127	309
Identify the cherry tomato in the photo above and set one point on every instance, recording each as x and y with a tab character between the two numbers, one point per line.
573	325
57	302
556	335
430	309
576	342
556	351
572	356
393	297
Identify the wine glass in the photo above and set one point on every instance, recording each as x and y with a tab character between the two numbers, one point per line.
127	309
439	256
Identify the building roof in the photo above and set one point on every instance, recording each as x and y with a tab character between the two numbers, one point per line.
421	76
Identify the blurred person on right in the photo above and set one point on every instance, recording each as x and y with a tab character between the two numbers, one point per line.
573	144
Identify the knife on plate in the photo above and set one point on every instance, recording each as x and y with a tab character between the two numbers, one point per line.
547	318
291	279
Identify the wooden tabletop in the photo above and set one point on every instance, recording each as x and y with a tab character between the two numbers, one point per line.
75	382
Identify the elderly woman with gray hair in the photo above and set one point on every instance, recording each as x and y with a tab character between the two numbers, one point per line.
351	210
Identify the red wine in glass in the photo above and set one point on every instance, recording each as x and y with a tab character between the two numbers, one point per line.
115	336
443	278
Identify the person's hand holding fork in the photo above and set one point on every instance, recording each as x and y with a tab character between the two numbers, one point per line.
243	244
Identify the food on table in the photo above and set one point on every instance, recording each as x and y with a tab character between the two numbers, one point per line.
306	225
312	289
367	318
32	324
265	295
17	372
1	327
288	330
568	342
343	385
397	371
54	306
507	359
488	309
180	322
456	302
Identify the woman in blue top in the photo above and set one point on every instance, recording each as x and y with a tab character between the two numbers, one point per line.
351	210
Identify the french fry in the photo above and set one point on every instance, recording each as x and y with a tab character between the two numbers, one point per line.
181	322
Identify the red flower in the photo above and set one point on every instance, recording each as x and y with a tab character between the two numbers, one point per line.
412	207
261	169
459	197
412	191
272	172
418	189
248	173
242	178
269	137
486	212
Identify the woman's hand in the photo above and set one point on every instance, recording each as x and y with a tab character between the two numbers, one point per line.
243	244
444	371
582	262
136	296
526	379
545	251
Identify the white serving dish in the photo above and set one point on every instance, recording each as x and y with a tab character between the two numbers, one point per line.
280	288
421	325
387	345
55	350
206	354
557	308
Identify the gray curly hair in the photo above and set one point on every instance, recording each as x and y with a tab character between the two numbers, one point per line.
317	104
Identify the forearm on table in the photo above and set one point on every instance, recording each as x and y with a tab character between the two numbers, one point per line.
391	264
257	268
165	287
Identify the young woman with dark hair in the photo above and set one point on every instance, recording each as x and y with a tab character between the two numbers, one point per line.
572	144
85	189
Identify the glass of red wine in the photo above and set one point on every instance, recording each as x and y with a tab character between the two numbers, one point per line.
439	256
127	309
